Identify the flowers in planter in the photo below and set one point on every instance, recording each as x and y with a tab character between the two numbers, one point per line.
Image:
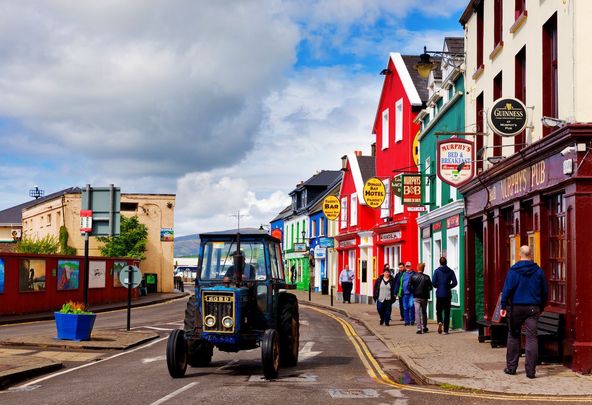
72	307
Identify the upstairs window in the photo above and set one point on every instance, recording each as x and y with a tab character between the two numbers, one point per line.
479	129
520	92
343	212
399	120
479	34
353	218
386	206
519	8
498	26
385	129
550	77
497	93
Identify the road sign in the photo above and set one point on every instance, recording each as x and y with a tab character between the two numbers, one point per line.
124	276
105	205
85	221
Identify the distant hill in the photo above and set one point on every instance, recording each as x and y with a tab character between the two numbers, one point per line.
186	246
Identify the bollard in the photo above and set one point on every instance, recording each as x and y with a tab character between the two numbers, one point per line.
309	293
332	295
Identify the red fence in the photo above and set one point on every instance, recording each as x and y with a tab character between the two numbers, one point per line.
40	283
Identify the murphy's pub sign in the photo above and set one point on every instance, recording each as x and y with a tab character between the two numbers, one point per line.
456	161
507	116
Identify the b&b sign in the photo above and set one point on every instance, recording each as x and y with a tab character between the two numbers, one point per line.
456	161
412	185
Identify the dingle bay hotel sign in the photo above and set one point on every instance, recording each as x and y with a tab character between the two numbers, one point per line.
507	116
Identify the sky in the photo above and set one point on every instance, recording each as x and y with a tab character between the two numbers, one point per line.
226	104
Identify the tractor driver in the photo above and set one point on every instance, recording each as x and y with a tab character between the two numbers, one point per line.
248	270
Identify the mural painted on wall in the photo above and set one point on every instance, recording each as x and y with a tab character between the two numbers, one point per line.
31	275
96	276
167	235
117	267
1	276
68	274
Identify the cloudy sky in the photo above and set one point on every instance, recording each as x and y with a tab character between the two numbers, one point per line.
227	104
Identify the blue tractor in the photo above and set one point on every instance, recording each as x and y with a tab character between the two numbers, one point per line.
241	302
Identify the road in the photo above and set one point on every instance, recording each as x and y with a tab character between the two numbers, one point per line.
332	369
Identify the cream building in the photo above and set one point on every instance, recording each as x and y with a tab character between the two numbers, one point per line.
156	211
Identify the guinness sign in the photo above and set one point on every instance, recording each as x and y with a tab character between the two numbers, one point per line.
507	116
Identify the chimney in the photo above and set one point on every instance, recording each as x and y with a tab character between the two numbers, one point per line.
358	152
373	149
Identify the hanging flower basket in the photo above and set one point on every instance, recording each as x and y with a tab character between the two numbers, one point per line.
73	322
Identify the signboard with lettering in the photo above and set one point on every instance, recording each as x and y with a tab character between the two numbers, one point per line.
391	236
397	186
299	247
453	222
437	226
331	207
347	243
374	192
326	242
412	186
507	116
455	161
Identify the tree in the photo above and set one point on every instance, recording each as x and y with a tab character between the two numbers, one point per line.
131	241
46	245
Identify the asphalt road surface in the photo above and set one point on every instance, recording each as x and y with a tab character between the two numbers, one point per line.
331	369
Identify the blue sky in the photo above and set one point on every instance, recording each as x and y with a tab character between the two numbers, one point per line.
226	104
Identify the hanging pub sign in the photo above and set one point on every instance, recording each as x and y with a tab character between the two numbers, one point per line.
331	207
507	116
455	161
374	192
412	186
397	186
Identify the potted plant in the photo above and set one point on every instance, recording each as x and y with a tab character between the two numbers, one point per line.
74	322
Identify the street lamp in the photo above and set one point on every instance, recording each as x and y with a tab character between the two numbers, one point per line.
303	233
426	65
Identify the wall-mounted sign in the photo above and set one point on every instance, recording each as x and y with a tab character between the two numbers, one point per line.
415	148
453	222
320	253
374	192
416	208
412	185
331	207
456	161
507	116
299	247
391	235
347	243
437	226
326	242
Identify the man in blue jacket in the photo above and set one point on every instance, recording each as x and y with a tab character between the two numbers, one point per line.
525	295
444	281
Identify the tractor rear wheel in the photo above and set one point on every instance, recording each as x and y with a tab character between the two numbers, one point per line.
270	354
176	353
199	353
289	330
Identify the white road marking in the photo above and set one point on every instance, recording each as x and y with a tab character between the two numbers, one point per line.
401	398
230	363
303	378
366	393
174	394
306	352
153	359
154	328
304	323
34	382
23	389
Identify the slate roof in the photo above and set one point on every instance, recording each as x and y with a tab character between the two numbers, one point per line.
455	44
421	84
14	215
323	178
286	212
367	167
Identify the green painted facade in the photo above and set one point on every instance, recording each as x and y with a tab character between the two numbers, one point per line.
443	201
295	260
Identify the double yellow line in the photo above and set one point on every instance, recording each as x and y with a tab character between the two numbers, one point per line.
376	373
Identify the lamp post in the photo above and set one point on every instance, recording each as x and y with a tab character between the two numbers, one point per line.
426	65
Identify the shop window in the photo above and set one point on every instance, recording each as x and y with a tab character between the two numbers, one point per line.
550	77
557	248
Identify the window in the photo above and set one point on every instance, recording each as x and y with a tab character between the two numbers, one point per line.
343	212
497	93
399	120
427	185
127	206
550	79
48	219
479	34
519	8
385	208
438	191
520	92
314	229
557	247
497	23
479	128
385	129
353	218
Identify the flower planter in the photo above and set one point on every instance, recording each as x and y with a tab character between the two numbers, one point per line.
74	326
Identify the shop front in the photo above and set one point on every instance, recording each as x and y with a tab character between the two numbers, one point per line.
348	253
541	197
396	243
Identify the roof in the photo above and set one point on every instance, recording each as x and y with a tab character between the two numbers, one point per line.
367	167
286	212
455	44
14	215
469	10
333	189
420	83
362	168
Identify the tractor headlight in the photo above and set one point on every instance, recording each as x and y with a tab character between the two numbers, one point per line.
210	321
227	322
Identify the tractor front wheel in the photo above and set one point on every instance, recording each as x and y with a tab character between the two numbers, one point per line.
270	354
176	353
289	329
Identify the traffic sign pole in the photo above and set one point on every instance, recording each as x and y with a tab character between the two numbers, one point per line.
130	275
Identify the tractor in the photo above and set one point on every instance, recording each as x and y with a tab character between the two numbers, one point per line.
241	302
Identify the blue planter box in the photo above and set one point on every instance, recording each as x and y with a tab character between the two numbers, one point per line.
74	326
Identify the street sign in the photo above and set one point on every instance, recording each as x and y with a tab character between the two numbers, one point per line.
124	276
105	205
85	221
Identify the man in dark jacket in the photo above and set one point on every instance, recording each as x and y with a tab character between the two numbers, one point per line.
399	288
525	295
444	281
384	295
421	285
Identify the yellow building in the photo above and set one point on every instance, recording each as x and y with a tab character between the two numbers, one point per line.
45	217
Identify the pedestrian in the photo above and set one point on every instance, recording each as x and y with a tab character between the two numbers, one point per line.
408	304
524	295
346	279
444	281
421	285
384	295
399	289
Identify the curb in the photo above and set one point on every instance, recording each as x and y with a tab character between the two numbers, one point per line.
13	378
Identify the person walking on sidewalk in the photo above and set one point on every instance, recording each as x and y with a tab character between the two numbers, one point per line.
346	279
444	281
399	289
384	295
421	285
408	306
524	295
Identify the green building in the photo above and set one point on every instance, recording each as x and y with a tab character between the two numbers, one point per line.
441	226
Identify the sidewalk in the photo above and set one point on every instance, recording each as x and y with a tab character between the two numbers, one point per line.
457	359
24	357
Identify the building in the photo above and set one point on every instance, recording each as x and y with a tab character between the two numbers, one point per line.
533	187
277	224
441	225
46	215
